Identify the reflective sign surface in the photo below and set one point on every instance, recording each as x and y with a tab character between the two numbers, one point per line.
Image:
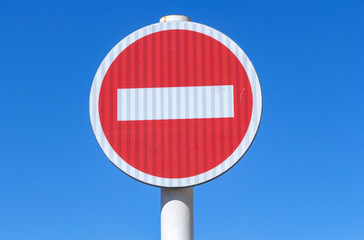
175	104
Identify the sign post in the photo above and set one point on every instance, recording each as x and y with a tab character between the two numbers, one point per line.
177	213
174	105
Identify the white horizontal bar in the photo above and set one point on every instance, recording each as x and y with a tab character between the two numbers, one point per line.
175	103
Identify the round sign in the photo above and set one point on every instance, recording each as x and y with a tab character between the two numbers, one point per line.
175	104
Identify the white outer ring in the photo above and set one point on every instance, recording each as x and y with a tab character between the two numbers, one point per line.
176	182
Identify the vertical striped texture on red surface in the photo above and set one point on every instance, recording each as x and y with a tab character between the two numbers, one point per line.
175	148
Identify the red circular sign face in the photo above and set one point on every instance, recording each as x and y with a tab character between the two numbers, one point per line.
175	105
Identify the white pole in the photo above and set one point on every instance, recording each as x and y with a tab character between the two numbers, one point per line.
177	213
176	203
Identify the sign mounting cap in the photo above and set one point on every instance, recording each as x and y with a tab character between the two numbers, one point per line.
174	18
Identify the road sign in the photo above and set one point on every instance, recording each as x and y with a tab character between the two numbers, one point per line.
175	104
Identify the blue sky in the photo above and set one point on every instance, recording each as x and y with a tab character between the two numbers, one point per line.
302	178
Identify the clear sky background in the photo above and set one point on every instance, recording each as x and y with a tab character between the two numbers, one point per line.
303	177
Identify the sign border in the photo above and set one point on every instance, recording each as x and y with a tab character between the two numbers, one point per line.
176	182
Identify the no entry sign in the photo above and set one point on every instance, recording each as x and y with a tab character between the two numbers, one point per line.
175	104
